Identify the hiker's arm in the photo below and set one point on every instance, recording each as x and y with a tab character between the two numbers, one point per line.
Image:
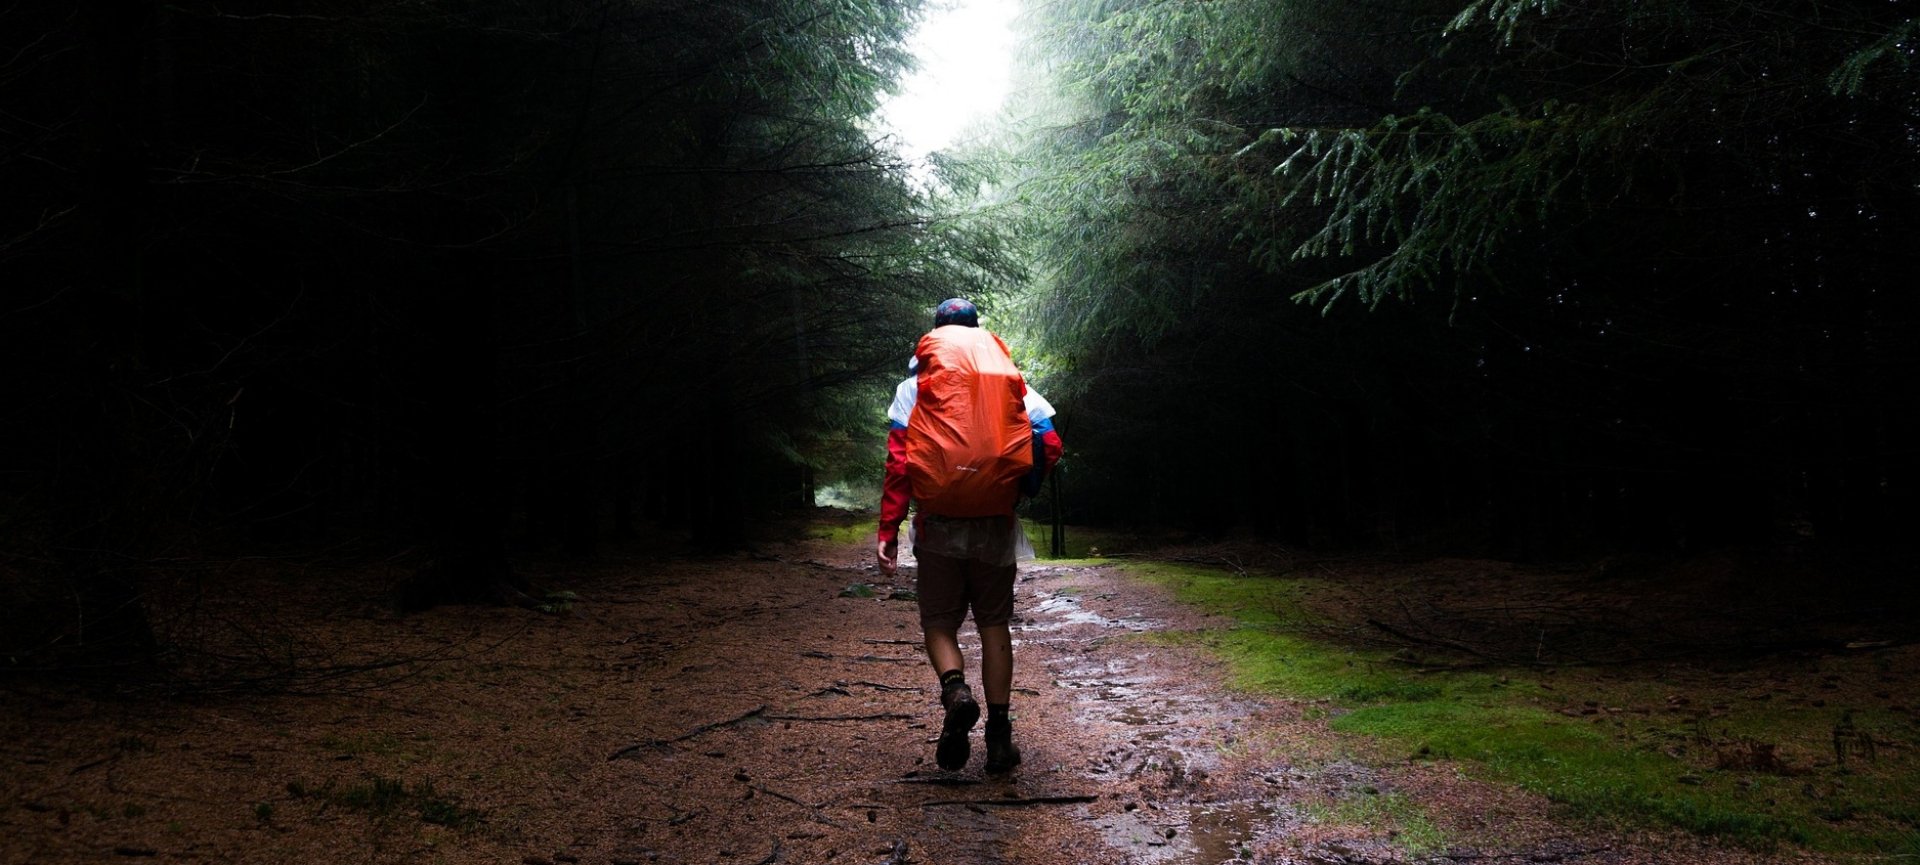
1051	444
1040	414
895	491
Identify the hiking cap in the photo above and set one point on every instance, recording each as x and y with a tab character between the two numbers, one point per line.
956	310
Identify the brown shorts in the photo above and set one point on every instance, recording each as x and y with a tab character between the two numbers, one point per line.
949	586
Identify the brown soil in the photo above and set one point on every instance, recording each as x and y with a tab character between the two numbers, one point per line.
735	710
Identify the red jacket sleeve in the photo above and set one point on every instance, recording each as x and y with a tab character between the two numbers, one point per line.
895	491
1050	440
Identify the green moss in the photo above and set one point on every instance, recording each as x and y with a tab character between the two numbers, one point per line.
1748	771
1391	813
1277	648
862	533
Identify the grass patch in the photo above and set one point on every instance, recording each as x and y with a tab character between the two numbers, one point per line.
1390	813
382	744
385	797
1715	763
862	532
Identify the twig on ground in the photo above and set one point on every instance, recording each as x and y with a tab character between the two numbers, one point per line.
884	660
773	856
703	728
883	716
1535	856
871	658
879	687
781	796
1017	802
100	762
1216	561
1431	641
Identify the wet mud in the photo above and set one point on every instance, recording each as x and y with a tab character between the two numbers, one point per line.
1159	733
751	710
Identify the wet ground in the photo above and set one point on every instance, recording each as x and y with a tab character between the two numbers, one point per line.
1160	730
773	708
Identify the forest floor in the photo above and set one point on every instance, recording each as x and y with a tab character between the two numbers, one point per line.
766	708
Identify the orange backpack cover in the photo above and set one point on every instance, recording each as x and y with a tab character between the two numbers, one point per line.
968	439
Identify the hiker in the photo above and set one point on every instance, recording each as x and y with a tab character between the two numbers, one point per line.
967	550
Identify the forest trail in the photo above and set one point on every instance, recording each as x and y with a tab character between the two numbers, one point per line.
747	710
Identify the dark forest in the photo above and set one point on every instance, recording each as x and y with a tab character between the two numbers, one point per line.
482	292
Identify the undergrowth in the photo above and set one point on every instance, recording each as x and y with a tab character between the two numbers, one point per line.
1609	743
1081	543
382	797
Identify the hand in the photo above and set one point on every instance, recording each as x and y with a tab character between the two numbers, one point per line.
889	551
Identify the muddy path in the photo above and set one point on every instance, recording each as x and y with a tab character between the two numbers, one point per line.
745	710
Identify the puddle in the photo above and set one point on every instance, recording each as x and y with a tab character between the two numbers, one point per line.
1066	610
1056	612
1134	716
1221	831
1201	834
1157	737
1124	703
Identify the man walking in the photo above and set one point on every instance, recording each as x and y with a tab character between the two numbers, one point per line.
964	535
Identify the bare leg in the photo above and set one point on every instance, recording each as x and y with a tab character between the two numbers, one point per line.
996	662
943	651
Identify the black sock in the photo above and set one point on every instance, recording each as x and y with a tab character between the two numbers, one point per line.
997	713
952	678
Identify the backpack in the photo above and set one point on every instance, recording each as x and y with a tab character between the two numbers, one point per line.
969	442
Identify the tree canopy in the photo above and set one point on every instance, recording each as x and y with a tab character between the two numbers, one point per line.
1544	274
447	275
1521	277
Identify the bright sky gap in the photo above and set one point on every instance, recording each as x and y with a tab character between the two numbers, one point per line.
965	50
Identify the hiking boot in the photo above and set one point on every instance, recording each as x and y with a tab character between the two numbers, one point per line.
1001	754
962	712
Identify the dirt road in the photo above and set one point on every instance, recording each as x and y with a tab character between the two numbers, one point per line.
741	710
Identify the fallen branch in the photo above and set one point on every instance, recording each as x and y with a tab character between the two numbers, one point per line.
1545	856
1431	641
1018	802
781	796
100	762
883	716
879	687
773	856
1218	561
750	714
824	656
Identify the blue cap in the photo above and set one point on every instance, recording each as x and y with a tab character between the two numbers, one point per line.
956	310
